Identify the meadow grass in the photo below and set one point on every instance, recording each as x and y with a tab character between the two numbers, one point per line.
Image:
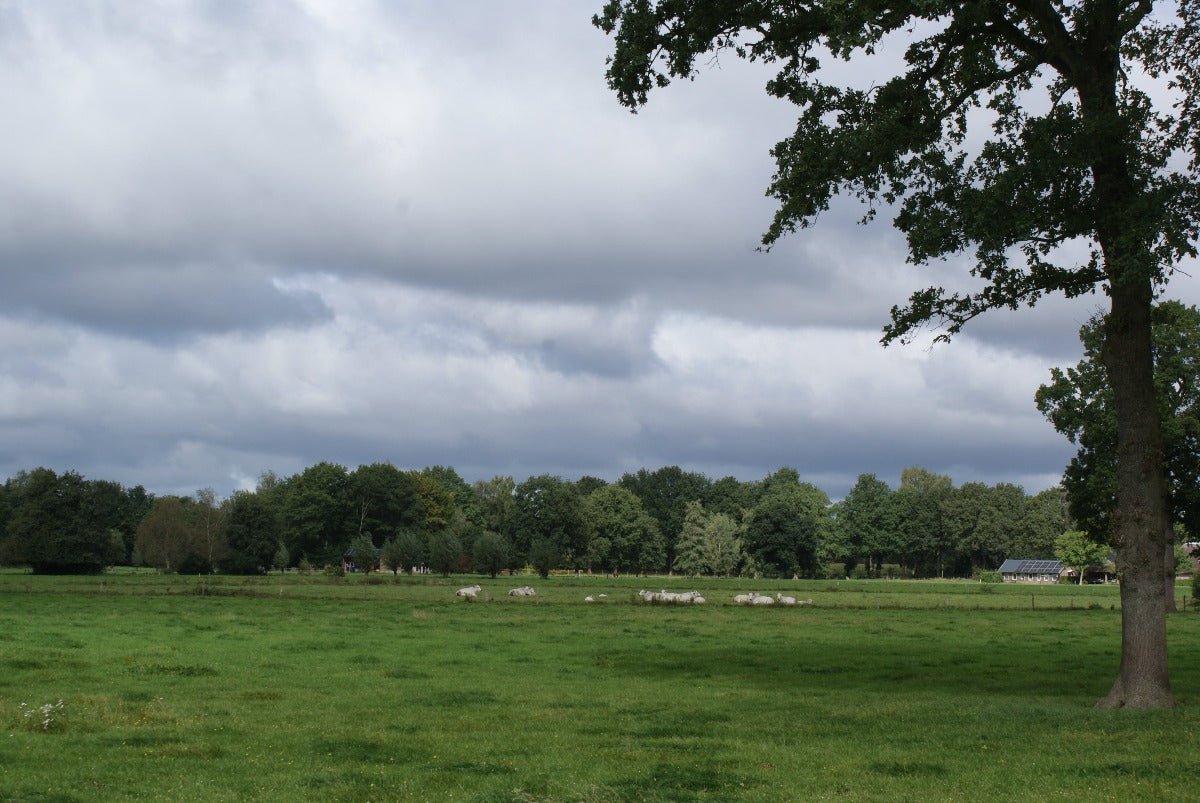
309	687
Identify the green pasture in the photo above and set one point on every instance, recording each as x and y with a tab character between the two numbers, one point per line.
313	687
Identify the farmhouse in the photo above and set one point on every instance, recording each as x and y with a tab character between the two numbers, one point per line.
1017	570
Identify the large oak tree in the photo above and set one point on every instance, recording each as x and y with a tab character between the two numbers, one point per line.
1075	158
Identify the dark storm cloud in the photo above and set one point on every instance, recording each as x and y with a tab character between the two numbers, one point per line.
240	236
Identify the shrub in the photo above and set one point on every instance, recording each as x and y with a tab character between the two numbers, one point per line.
1196	586
195	564
988	576
859	573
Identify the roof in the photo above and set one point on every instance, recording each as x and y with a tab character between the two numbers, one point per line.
1021	566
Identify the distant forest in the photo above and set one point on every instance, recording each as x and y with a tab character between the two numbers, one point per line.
666	520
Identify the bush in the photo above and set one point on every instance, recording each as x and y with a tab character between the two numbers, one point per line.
894	571
195	564
859	573
987	576
1196	586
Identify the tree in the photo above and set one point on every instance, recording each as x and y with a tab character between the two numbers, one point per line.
543	556
550	509
171	534
1079	403
1078	159
782	530
316	512
212	520
252	533
494	498
664	494
867	520
281	559
1077	550
61	524
363	554
730	496
921	499
445	550
616	514
491	553
405	551
460	492
382	498
690	558
723	548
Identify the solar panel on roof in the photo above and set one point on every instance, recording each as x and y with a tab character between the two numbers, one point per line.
1017	566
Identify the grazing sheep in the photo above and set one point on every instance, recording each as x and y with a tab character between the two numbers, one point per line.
698	600
604	596
761	600
468	593
588	598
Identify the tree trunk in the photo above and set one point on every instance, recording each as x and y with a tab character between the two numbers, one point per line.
1139	522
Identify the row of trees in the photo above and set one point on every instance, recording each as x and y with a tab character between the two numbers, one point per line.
668	520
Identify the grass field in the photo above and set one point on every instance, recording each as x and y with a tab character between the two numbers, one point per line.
308	687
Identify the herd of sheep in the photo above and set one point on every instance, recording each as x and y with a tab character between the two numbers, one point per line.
471	593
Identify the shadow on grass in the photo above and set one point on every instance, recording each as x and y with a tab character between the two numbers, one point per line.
929	666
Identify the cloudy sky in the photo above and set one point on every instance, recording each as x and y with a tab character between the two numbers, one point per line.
247	236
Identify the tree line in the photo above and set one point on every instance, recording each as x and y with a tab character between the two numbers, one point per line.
660	521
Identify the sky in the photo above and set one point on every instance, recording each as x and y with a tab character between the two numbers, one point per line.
246	236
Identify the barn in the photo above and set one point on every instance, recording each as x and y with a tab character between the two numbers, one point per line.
1018	570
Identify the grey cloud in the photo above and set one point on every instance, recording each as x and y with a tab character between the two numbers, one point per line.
159	303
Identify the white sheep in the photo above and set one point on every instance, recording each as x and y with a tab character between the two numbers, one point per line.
782	600
744	599
468	593
588	598
523	591
762	600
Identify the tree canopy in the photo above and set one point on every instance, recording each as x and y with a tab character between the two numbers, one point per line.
1016	133
1079	403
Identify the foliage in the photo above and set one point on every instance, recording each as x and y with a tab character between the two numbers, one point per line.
404	552
445	551
1079	403
633	540
315	512
1075	179
62	524
543	556
494	498
783	527
989	576
252	533
172	534
492	553
690	558
664	494
282	559
1077	550
363	554
548	508
723	549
